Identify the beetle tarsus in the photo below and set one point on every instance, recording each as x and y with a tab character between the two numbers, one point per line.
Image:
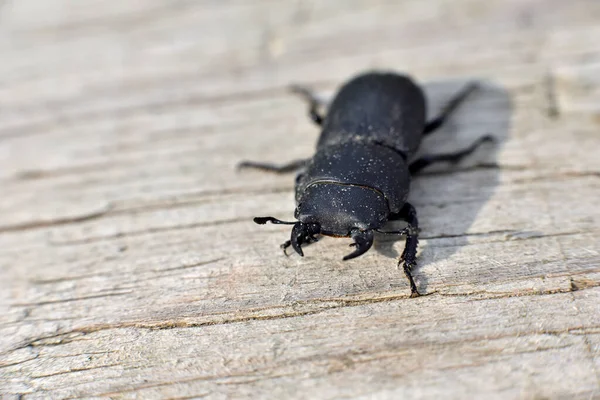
408	267
409	255
313	103
452	105
284	246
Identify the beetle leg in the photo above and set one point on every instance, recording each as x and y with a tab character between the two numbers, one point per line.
455	157
363	240
278	169
449	108
313	103
409	255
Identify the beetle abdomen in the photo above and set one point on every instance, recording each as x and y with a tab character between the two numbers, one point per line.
377	107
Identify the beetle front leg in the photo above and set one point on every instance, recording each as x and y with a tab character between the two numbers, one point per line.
409	255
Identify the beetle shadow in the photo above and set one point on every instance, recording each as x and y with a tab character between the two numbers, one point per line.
448	197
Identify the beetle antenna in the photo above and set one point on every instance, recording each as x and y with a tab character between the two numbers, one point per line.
264	220
363	240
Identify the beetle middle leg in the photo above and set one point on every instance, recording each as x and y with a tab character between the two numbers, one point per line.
449	108
292	166
313	103
426	160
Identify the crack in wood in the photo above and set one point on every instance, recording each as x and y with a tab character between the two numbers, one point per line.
75	370
88	117
507	235
258	374
59	301
312	307
113	209
55	222
552	108
194	265
2	365
94	239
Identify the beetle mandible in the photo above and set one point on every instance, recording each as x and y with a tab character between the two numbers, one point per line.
359	177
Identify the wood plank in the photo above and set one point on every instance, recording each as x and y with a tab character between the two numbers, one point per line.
129	265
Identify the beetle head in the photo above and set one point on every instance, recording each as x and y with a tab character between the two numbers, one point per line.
341	210
336	210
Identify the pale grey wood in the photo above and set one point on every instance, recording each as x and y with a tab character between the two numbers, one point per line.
129	264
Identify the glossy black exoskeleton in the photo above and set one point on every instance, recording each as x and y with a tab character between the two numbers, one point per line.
359	177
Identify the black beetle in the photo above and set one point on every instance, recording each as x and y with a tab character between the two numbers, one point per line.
359	177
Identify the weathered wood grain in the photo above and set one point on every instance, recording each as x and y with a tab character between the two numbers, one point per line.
129	266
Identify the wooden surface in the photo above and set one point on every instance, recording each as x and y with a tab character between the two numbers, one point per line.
129	264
